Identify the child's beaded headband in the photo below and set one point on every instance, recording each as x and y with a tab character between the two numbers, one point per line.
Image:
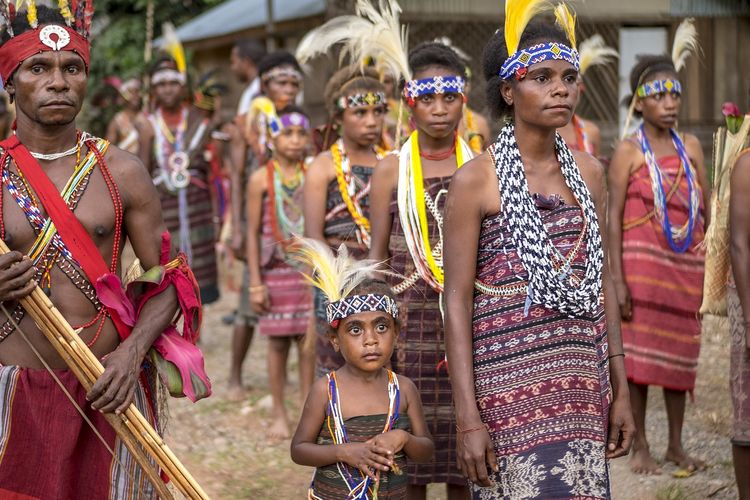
361	100
518	14
668	85
276	125
355	304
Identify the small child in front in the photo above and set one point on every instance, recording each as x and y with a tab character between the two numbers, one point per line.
361	421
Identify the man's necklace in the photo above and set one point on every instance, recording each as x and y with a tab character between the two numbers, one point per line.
62	154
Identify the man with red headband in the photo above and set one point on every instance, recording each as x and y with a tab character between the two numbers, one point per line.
68	202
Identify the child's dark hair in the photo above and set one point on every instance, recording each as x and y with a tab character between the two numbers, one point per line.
163	61
429	54
44	15
646	66
495	54
378	287
347	81
276	59
291	108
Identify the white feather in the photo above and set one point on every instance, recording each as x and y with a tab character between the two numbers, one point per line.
387	41
449	43
685	43
339	30
594	52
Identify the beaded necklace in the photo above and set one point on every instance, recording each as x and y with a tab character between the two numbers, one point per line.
413	202
48	247
679	239
348	188
360	485
551	282
170	148
281	202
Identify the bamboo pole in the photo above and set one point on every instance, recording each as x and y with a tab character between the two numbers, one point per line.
131	427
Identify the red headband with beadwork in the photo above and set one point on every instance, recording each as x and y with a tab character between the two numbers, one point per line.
51	37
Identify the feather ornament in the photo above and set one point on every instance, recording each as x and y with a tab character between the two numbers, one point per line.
594	52
31	15
5	17
343	30
567	21
685	43
334	275
65	12
173	46
88	17
387	41
518	14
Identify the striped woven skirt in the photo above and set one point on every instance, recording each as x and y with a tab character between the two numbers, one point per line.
47	450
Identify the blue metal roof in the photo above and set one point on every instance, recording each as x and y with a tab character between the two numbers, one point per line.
238	15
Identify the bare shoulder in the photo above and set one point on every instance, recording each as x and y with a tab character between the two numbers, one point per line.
258	178
475	173
408	389
128	172
322	166
386	170
742	164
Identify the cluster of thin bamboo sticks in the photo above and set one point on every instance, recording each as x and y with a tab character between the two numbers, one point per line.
131	427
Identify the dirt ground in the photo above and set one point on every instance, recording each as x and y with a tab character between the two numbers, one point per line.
225	447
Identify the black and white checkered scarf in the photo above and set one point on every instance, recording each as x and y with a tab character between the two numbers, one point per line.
548	286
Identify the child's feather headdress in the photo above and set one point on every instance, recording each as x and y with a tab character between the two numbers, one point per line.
337	276
594	52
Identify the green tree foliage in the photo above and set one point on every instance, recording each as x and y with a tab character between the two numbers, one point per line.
118	42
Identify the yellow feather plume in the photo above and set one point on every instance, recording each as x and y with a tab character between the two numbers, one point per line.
173	46
518	13
685	43
567	21
594	52
335	275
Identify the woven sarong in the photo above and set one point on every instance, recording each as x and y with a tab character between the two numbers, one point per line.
47	450
541	380
340	228
662	342
421	347
203	236
739	371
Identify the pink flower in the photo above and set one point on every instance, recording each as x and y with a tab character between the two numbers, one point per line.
730	109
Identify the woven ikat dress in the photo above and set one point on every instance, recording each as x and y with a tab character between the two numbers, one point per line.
541	379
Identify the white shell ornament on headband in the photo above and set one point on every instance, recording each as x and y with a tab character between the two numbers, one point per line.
55	37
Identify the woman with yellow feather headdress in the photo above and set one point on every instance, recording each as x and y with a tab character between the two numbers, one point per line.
657	217
581	134
532	327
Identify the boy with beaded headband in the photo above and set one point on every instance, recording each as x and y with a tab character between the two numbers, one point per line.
657	216
73	229
534	350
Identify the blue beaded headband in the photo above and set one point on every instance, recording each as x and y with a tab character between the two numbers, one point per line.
659	87
434	85
361	100
517	64
354	304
